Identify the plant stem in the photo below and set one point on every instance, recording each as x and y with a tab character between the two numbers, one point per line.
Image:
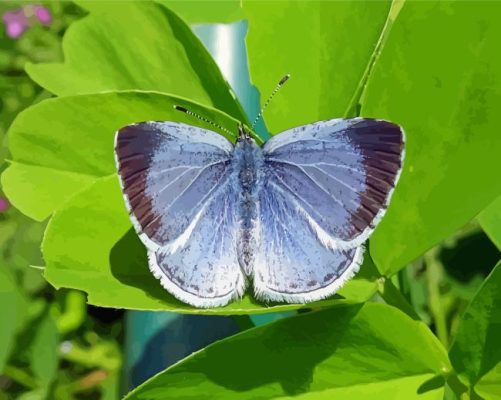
434	278
352	110
20	376
392	296
459	389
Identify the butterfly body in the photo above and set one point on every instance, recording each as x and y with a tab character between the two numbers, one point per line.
248	169
290	217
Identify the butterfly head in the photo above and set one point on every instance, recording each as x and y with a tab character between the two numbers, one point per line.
243	133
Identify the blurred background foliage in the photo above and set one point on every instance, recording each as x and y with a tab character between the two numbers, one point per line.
55	346
52	345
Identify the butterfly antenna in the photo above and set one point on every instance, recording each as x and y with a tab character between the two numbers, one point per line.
186	111
280	84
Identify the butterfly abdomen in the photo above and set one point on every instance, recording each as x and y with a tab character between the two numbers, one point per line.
248	161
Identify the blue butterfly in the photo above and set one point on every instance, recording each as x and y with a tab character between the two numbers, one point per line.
291	216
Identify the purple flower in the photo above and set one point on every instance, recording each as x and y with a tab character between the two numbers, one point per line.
4	204
43	15
15	23
19	20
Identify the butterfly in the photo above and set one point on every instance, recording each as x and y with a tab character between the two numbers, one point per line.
291	216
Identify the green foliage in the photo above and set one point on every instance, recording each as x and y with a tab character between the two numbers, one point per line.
438	75
206	11
489	385
34	320
165	57
67	143
326	57
43	353
120	277
432	67
344	351
13	306
476	349
490	219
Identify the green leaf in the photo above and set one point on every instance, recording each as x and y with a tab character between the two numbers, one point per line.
396	389
90	245
43	355
489	386
345	350
73	137
439	76
476	349
135	45
207	11
14	307
325	46
490	220
65	144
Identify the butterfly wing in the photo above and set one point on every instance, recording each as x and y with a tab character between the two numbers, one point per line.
340	174
181	195
291	264
324	188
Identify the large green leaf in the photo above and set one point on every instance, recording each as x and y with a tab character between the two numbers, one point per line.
13	306
135	45
345	351
490	220
476	348
90	245
439	76
325	46
207	11
394	389
65	144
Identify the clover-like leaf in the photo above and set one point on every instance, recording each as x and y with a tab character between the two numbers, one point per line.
90	245
135	45
341	352
67	143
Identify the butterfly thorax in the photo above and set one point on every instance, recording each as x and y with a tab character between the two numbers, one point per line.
247	164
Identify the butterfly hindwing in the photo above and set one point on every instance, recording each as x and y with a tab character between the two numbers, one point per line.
291	263
202	269
176	181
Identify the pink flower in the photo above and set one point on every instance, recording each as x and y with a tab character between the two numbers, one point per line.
19	20
15	23
4	204
43	15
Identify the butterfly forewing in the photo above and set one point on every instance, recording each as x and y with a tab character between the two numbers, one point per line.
168	171
176	181
339	173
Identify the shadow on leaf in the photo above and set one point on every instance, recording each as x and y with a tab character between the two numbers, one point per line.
129	264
